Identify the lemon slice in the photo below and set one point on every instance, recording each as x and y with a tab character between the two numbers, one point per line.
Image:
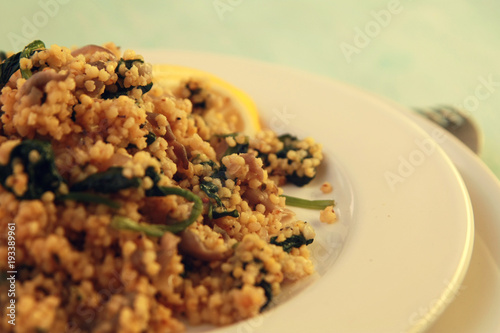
240	104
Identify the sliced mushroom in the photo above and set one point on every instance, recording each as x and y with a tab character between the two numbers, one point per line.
178	148
35	85
255	167
168	248
158	210
191	244
91	49
255	196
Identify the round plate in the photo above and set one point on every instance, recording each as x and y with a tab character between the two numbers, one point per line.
477	302
402	245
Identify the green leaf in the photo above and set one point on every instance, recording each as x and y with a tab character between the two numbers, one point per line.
150	138
120	90
212	192
8	68
109	181
12	64
27	52
42	173
213	214
268	292
291	242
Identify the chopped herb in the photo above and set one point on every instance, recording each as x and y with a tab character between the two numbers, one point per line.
128	63
73	115
194	92
42	173
119	89
211	191
155	190
157	230
290	143
209	162
298	180
109	181
8	68
150	138
305	203
27	52
212	214
239	148
12	64
146	88
220	173
268	292
263	156
43	176
291	242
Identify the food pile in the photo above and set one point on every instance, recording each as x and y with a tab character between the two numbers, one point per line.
138	206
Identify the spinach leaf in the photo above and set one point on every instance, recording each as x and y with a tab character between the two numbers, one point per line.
212	214
291	242
128	63
27	52
42	173
212	191
150	138
118	89
298	180
109	181
12	64
290	143
239	148
8	68
121	91
268	292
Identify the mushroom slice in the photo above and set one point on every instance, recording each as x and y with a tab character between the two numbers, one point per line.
192	244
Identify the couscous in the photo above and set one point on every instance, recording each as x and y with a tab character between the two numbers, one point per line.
137	207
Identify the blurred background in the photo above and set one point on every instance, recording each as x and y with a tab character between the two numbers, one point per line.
417	53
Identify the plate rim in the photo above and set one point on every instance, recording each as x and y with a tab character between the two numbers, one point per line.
426	320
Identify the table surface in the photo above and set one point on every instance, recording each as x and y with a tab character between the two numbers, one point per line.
417	53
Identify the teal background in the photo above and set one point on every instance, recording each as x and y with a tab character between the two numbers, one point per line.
424	52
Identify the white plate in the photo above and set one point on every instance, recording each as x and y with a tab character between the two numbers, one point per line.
477	305
406	227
